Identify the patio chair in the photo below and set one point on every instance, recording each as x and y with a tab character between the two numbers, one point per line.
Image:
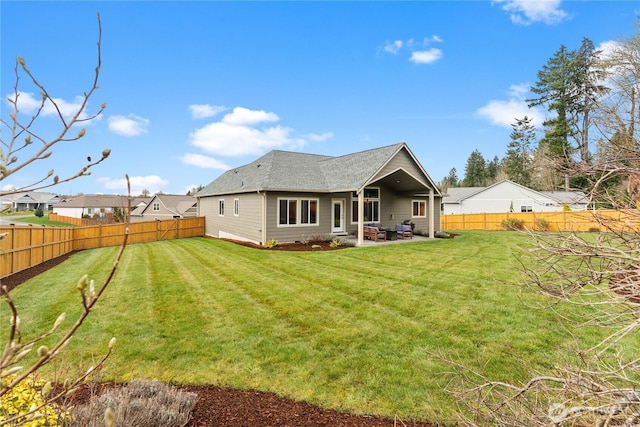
374	233
404	230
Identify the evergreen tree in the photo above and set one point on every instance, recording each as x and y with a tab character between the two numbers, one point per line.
519	159
492	171
556	90
451	180
475	170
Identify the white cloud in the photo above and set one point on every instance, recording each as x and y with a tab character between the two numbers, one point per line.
130	125
418	53
319	137
525	12
153	183
202	111
426	56
245	117
244	132
202	161
28	104
393	47
505	112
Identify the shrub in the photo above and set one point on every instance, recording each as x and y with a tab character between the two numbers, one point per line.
315	237
30	393
140	403
336	243
512	224
39	212
271	243
543	224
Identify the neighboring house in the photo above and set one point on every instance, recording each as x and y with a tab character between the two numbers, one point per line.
166	206
96	206
507	196
291	196
29	201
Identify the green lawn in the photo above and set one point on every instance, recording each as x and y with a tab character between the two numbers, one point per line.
44	220
353	329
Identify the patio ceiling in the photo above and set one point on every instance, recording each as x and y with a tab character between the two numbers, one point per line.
403	183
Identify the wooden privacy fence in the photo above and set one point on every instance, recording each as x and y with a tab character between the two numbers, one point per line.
80	222
27	246
600	220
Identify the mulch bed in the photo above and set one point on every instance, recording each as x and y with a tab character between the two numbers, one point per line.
295	247
225	407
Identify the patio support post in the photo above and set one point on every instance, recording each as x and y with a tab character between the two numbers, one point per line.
361	217
432	219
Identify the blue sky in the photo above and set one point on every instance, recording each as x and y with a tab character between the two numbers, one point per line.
195	88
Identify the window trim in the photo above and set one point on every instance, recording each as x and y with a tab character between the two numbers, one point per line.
220	207
299	214
424	210
155	207
372	200
526	208
236	207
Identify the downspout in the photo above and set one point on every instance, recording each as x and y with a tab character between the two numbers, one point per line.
432	219
360	217
263	231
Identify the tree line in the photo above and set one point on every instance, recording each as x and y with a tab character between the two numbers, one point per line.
592	101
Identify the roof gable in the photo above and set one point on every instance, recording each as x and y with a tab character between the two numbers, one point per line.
174	203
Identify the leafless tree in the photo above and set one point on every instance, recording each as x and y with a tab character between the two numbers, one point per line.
23	147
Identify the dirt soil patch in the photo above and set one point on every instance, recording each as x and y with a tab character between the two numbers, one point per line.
226	407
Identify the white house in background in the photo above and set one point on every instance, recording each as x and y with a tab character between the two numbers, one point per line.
96	206
166	206
29	201
507	196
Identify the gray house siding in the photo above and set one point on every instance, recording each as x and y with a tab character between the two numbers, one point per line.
293	233
243	226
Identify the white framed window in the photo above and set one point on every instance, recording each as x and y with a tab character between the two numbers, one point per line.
236	207
526	208
221	207
297	212
419	209
371	205
156	207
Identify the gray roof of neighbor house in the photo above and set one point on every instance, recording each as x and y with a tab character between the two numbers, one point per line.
458	194
31	197
290	171
98	201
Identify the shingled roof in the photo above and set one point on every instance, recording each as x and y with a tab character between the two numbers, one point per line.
289	171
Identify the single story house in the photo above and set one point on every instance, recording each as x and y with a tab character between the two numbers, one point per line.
166	206
290	196
96	205
508	196
29	201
